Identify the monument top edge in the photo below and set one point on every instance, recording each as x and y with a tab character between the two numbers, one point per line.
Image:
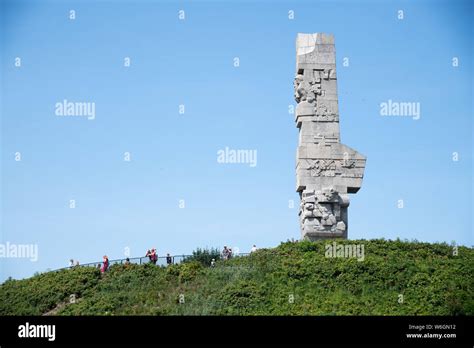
305	43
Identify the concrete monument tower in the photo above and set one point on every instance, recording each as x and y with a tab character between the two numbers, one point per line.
326	170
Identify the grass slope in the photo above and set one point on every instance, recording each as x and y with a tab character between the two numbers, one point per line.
292	279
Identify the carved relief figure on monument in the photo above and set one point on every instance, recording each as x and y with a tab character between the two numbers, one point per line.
328	218
325	111
300	91
322	167
307	89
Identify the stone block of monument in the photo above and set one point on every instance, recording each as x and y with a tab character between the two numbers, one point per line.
326	170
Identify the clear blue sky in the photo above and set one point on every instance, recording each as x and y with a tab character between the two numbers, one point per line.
135	204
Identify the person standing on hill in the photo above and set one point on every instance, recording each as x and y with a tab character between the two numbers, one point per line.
225	253
153	256
169	259
105	265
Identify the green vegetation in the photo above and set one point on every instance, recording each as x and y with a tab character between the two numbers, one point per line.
204	256
292	279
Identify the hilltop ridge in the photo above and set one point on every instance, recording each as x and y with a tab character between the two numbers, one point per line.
295	278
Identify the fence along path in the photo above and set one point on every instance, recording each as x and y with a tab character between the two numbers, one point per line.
140	260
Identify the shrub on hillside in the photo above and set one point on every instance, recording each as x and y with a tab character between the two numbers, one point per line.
204	256
43	292
185	271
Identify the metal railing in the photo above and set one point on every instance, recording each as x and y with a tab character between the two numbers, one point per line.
161	261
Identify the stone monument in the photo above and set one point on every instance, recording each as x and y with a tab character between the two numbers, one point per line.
326	170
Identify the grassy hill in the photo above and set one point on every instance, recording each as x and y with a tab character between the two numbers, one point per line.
292	279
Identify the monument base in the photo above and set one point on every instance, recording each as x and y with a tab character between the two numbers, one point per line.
314	236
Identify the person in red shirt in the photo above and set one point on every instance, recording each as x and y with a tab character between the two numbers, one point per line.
153	256
105	265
